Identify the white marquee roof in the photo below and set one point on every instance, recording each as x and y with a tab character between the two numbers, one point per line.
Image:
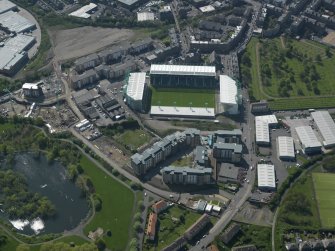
326	126
136	84
82	12
285	146
191	70
266	175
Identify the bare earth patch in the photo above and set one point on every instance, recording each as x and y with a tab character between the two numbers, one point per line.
330	38
81	41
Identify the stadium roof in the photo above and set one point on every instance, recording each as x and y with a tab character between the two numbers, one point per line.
190	70
182	111
82	12
15	23
228	90
326	125
266	176
145	16
136	84
307	136
285	147
6	5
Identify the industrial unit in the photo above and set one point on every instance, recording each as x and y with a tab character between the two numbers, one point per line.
309	142
285	148
84	12
263	124
15	23
326	126
230	97
6	5
266	177
188	76
137	92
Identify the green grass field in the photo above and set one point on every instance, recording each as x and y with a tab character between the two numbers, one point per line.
133	138
117	207
305	95
169	230
183	97
325	195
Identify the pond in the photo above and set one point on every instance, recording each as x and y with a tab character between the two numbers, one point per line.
50	180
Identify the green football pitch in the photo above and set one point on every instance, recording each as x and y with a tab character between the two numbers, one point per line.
324	186
183	97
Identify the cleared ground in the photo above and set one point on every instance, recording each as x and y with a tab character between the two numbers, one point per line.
330	38
133	139
325	195
81	41
183	97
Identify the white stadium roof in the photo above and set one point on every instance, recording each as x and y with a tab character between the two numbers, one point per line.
182	111
266	176
145	16
285	147
6	5
228	90
190	70
15	23
136	84
326	125
82	12
307	137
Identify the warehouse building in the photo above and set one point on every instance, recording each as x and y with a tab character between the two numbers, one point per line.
11	61
263	124
137	92
145	16
20	43
285	148
186	175
15	23
326	126
266	177
230	96
309	142
184	76
85	11
6	5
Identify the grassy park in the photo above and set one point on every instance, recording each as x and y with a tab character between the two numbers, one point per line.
183	97
281	70
325	196
117	207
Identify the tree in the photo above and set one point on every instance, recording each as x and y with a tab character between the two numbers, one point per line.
140	204
133	243
328	52
3	239
138	216
137	226
101	245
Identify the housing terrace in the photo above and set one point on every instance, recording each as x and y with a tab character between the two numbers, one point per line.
230	233
87	78
197	227
176	245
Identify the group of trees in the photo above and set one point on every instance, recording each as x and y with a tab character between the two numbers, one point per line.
61	246
18	202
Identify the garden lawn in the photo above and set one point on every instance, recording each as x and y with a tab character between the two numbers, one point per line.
10	245
183	97
302	103
133	138
325	195
168	230
117	207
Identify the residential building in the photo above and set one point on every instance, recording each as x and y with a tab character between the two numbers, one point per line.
201	156
165	14
87	78
227	152
88	62
266	177
308	140
113	54
228	173
183	76
186	175
141	46
137	92
199	225
250	247
160	206
176	245
228	136
230	233
151	228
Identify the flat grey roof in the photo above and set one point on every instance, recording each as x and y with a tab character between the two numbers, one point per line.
285	147
6	5
326	125
228	171
128	2
307	137
236	147
15	23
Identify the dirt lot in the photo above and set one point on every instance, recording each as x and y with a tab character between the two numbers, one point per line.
330	38
81	41
254	215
